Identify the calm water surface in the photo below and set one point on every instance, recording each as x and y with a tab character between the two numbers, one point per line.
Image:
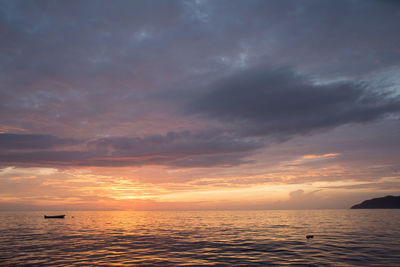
242	238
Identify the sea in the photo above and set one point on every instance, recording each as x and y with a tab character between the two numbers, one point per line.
201	238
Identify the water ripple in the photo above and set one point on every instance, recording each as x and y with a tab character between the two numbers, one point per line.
217	238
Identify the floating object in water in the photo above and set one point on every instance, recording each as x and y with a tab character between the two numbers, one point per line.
54	217
309	236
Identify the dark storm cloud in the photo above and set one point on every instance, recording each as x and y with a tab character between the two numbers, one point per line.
182	149
33	141
265	101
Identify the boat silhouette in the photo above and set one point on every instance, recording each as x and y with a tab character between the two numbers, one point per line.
54	217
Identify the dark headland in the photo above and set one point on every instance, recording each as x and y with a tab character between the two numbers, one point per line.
388	202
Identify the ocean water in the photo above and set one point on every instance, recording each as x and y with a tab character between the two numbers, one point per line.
225	238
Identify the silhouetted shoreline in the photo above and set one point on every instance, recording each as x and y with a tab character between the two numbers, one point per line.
388	202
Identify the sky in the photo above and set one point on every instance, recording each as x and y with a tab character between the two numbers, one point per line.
192	105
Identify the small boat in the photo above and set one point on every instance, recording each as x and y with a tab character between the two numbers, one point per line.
54	217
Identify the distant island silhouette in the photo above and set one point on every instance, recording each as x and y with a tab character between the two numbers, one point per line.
388	202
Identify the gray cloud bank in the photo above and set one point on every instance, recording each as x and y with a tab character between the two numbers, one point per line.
184	149
265	101
90	66
72	71
34	141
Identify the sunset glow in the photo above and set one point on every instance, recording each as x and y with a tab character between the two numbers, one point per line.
192	105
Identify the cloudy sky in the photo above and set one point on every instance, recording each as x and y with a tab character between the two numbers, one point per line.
198	104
